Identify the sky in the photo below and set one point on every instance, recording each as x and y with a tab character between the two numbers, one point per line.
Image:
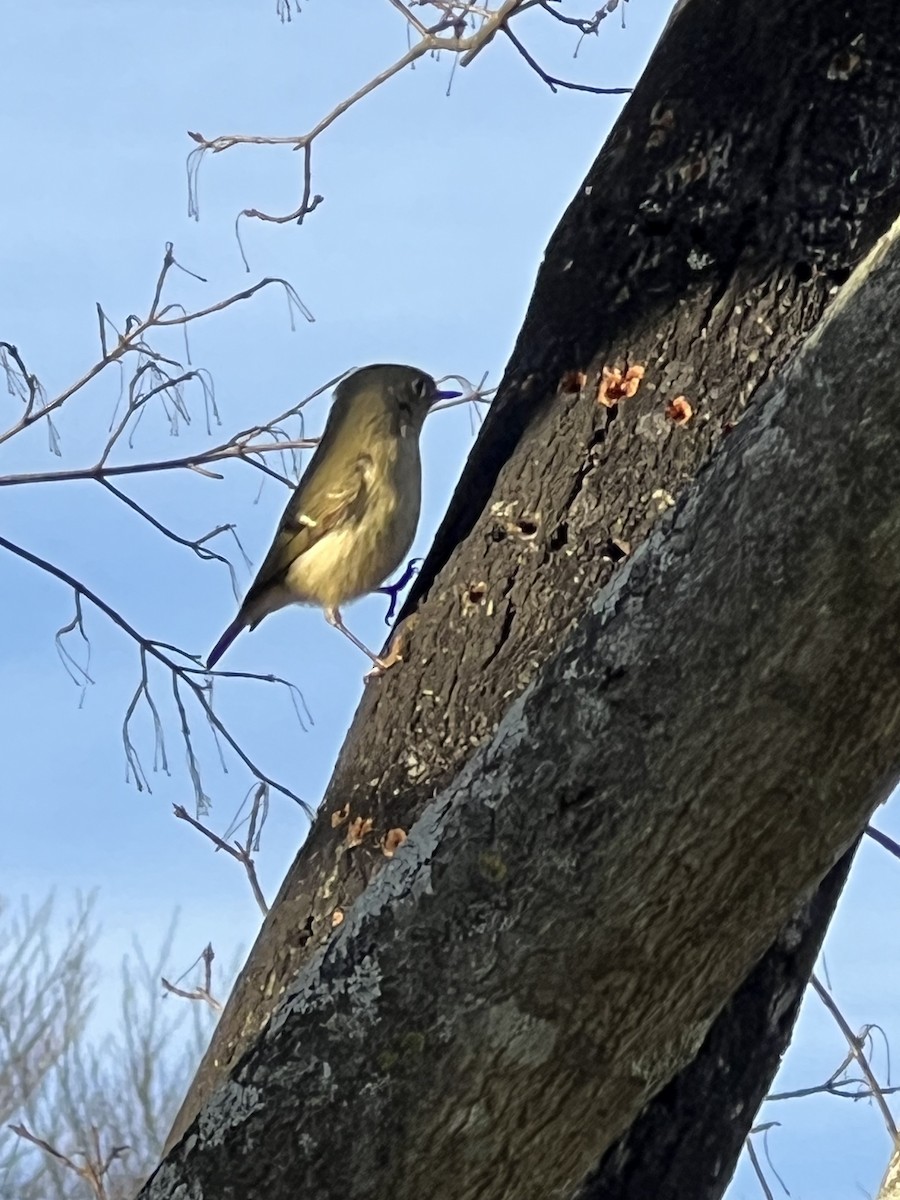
437	209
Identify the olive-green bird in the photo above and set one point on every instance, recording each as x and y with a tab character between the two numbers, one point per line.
353	516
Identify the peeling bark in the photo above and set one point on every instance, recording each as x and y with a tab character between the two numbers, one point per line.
754	166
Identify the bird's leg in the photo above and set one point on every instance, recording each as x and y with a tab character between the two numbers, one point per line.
333	617
394	589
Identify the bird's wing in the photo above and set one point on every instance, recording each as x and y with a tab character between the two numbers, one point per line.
311	513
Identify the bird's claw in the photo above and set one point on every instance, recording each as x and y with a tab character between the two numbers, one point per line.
394	589
384	664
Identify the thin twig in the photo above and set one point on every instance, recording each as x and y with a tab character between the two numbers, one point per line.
883	840
237	851
156	650
129	342
767	1191
189	462
856	1048
204	991
553	81
96	1165
445	35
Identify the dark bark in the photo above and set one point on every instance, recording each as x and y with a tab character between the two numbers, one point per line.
569	917
755	164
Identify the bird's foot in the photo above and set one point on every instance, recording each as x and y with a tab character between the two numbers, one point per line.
394	589
383	663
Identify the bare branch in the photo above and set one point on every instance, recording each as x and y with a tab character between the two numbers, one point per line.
45	994
553	81
447	34
883	840
23	383
190	462
202	992
182	676
107	1091
586	25
96	1164
857	1049
20	381
242	854
767	1191
197	545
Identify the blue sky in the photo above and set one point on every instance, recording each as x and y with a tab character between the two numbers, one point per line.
436	214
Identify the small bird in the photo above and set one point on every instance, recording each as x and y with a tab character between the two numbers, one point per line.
354	513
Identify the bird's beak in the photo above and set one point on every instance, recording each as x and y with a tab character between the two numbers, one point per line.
446	395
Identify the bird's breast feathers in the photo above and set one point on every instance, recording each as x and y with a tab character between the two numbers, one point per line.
357	555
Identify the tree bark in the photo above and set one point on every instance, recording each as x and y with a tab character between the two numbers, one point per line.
567	919
890	1184
754	166
686	1141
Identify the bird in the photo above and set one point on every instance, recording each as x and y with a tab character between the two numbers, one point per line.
352	518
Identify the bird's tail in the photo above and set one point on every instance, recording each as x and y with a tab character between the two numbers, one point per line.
225	641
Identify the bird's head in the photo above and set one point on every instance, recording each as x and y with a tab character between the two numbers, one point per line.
405	392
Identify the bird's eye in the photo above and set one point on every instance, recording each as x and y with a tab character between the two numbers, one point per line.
422	388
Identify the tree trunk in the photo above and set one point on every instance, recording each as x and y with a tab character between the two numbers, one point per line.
568	917
687	1140
890	1184
754	166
